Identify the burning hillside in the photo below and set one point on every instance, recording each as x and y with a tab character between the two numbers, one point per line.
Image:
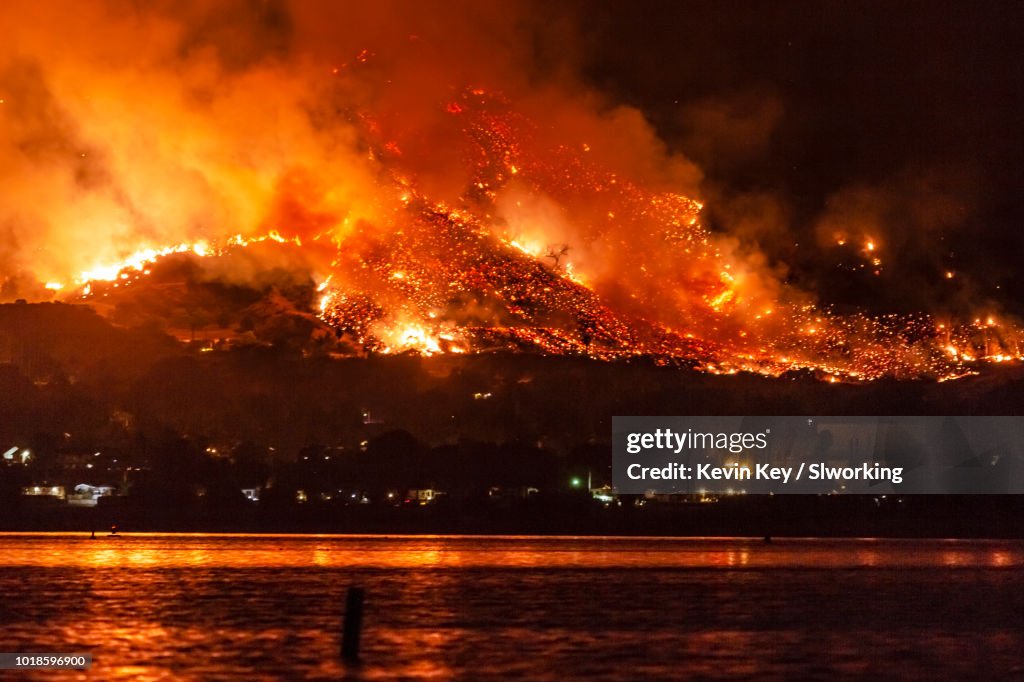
436	219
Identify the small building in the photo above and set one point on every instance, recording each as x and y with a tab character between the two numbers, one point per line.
423	496
45	491
86	495
605	494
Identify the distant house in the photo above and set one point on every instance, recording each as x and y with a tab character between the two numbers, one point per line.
605	494
86	495
45	491
422	496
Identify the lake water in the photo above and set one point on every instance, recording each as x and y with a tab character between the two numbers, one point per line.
209	607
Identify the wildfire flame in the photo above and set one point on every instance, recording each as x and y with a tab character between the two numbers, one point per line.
406	292
437	218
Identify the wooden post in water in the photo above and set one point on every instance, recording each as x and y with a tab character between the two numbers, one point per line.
352	625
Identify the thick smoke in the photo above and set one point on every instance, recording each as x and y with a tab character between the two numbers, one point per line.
130	125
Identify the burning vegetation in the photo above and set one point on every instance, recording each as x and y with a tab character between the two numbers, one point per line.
442	218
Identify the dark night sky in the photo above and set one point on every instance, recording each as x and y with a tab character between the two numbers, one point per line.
883	95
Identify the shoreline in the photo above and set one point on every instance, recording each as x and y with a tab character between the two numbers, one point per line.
967	517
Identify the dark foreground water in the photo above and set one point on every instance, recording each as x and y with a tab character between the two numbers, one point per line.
201	607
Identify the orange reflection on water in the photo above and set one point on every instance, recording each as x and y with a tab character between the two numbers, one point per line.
145	550
868	557
197	607
955	559
1001	559
119	642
